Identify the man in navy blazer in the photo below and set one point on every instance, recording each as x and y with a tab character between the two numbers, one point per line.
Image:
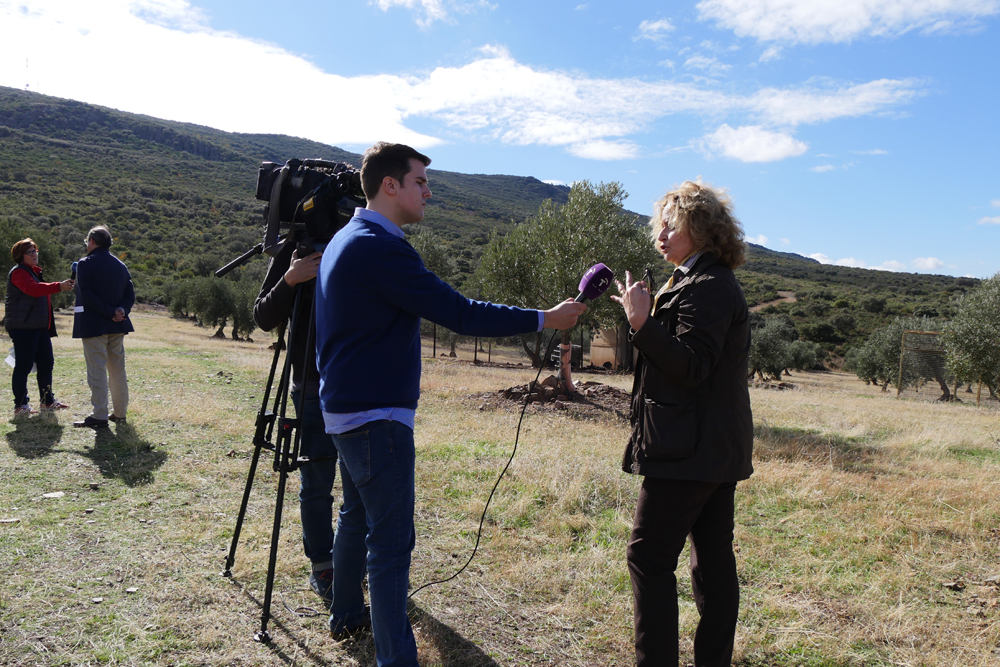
104	298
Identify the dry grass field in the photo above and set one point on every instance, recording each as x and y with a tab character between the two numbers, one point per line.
868	536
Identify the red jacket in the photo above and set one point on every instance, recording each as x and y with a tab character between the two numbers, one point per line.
35	288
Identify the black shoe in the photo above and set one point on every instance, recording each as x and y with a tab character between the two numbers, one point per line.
321	583
118	420
91	422
340	633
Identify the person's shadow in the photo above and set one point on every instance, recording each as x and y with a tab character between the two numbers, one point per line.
123	454
453	649
36	436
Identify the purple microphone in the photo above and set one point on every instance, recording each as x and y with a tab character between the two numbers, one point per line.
72	269
594	283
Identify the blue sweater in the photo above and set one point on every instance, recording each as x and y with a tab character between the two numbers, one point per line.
371	291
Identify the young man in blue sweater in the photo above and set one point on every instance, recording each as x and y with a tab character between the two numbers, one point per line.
371	292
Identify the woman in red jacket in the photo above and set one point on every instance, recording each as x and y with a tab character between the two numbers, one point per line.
28	319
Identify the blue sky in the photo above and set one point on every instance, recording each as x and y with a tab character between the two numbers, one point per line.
858	132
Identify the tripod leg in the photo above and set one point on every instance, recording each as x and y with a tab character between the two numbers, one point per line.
263	636
231	558
261	438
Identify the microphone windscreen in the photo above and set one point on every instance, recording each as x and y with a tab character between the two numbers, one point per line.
596	281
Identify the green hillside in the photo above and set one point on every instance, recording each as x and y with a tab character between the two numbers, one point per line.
179	199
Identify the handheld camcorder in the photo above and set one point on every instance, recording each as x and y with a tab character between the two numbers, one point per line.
308	199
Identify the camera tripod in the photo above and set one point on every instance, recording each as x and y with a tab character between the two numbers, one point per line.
280	434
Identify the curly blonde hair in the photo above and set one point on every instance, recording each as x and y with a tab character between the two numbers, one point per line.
706	214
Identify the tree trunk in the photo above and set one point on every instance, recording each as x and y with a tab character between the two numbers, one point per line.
219	333
943	383
566	364
535	355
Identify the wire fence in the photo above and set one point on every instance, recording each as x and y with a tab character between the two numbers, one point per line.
924	375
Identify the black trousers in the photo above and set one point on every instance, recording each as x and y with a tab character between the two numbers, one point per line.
667	512
32	347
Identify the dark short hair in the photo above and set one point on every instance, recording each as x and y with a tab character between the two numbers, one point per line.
100	235
20	249
385	159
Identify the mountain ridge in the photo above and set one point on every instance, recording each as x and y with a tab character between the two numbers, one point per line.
179	198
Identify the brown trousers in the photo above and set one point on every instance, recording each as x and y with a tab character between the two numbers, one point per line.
668	512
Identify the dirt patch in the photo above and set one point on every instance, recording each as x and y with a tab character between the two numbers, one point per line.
783	297
592	400
779	386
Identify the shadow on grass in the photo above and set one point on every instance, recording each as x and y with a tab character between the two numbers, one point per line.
794	445
301	643
123	454
36	436
453	649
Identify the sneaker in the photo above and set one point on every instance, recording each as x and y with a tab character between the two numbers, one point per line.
24	410
340	633
54	405
321	582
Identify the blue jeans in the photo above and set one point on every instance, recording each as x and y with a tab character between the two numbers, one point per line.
317	476
376	526
32	347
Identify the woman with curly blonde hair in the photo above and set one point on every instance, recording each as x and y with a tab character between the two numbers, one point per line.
692	429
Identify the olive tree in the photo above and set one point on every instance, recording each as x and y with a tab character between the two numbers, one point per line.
439	260
877	361
769	348
539	263
215	302
972	338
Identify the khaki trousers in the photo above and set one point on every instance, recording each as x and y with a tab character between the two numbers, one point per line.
105	357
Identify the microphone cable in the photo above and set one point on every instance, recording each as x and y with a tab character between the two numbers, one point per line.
482	519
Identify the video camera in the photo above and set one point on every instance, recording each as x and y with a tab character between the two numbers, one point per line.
311	199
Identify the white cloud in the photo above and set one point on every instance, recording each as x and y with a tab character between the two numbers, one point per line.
874	151
770	53
823	21
177	68
753	144
578	8
785	242
823	168
605	150
824	103
711	66
759	240
889	265
990	221
554	182
927	263
995	203
654	30
429	11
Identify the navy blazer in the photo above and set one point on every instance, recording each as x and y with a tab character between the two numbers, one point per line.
103	284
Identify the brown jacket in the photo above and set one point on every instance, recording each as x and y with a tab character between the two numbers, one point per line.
691	414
